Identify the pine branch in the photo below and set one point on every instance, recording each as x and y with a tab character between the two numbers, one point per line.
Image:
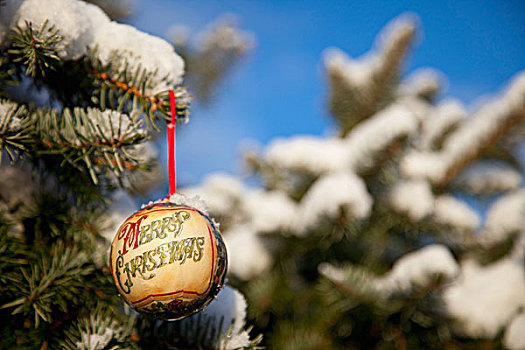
97	138
37	50
484	147
88	82
295	335
13	253
51	283
353	281
473	139
361	88
15	129
294	182
102	328
222	46
6	74
200	331
118	88
100	140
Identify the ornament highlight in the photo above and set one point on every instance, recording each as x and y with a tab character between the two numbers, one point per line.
168	260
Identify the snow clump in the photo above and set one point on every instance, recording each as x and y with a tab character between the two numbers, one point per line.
85	27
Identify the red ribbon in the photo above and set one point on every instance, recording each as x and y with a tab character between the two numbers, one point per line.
172	166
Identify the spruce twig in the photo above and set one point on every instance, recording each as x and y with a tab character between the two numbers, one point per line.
36	49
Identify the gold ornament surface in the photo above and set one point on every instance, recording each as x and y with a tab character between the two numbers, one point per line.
168	261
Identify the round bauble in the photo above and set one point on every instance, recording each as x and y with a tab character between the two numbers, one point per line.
168	260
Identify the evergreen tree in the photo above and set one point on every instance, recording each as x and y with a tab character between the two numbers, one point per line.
81	100
404	229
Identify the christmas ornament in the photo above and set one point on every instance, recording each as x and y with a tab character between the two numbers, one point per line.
168	260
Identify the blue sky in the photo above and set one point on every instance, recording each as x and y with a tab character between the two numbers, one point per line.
280	89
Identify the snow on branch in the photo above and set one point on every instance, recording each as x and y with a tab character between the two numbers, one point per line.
419	269
224	319
214	54
474	136
374	135
485	127
514	338
225	35
269	210
423	165
485	298
84	27
359	88
444	118
247	255
487	177
505	217
99	332
221	192
358	151
453	213
83	128
12	117
330	196
99	138
353	280
220	326
15	129
423	83
311	154
413	198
